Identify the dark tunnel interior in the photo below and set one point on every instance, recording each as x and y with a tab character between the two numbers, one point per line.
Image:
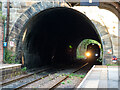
50	32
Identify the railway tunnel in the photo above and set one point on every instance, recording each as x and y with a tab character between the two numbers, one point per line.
50	33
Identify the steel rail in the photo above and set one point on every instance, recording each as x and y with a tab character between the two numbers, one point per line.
25	76
52	87
20	87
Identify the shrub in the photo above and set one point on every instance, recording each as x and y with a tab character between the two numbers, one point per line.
9	57
2	18
24	69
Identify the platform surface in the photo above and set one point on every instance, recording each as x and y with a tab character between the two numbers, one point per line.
102	77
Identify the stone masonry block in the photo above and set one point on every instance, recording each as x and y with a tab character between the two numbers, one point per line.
31	11
16	31
27	13
36	7
40	4
20	22
23	17
20	10
17	25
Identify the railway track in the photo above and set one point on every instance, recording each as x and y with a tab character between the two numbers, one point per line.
29	78
23	76
53	84
75	80
28	73
55	80
23	82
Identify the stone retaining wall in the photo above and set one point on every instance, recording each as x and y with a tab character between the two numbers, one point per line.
9	72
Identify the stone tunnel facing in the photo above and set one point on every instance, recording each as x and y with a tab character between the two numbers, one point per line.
51	32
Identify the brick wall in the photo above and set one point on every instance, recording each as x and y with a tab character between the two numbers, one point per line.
1	45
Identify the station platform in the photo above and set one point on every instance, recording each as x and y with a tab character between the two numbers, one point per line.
8	70
101	76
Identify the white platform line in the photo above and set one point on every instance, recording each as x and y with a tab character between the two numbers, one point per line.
8	66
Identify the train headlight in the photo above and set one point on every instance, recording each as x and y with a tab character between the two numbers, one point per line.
87	54
96	55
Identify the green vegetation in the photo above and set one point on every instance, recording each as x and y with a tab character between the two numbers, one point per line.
63	82
70	46
50	78
24	69
10	57
19	73
56	74
63	74
68	81
70	76
112	64
99	59
11	75
82	48
34	74
2	18
77	75
60	75
42	78
81	56
82	76
73	75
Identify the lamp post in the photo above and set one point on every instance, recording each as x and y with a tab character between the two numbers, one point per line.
5	39
8	18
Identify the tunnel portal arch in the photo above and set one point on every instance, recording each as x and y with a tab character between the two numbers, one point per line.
82	48
18	31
